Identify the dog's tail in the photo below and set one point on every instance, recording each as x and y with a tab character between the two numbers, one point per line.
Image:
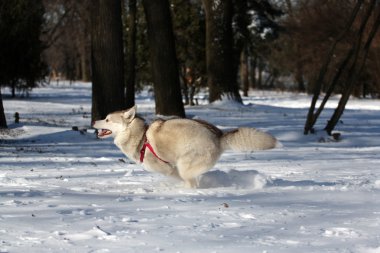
248	139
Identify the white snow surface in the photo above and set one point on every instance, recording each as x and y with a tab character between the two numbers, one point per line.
66	191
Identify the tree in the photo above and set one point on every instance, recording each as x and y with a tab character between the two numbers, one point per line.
107	58
3	120
164	62
21	23
221	74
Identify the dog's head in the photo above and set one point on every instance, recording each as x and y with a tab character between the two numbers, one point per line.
114	123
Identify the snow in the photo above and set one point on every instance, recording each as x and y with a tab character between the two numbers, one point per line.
66	191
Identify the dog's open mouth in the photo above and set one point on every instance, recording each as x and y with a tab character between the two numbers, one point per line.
104	132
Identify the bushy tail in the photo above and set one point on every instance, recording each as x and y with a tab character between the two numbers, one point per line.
248	139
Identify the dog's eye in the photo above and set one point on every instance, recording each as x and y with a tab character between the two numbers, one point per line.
107	120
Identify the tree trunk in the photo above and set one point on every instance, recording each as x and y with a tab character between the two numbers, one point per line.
253	64
83	63
107	58
221	74
332	85
3	121
244	72
260	73
299	77
131	57
167	88
185	89
13	89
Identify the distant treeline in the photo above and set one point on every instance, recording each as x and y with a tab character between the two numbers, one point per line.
314	46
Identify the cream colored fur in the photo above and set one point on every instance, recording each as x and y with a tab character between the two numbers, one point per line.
191	147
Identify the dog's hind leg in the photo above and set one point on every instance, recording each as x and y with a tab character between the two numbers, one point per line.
191	183
190	169
189	178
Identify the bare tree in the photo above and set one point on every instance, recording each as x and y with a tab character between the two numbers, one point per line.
67	36
360	57
313	116
349	68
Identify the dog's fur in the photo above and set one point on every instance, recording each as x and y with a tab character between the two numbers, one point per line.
184	148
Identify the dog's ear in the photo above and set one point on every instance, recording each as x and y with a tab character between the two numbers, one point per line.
130	114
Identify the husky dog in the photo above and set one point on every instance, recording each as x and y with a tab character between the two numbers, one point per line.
182	148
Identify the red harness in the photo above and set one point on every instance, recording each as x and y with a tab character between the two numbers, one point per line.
147	145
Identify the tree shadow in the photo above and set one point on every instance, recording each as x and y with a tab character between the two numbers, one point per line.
251	179
300	183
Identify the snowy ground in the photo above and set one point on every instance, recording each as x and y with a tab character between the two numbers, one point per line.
63	191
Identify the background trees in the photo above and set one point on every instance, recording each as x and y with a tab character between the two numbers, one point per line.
68	38
227	47
349	61
20	47
310	27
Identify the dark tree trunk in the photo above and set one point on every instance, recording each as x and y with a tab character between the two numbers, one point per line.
167	88
107	58
131	57
260	74
244	72
221	72
253	64
3	121
299	77
185	89
84	74
332	86
13	89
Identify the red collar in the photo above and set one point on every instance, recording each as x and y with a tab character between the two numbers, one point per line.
147	145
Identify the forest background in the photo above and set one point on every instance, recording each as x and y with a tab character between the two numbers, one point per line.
177	47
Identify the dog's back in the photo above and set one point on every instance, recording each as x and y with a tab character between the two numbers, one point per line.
176	137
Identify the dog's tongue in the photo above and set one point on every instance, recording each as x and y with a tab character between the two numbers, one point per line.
103	132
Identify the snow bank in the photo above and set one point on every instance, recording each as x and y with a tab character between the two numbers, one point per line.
66	191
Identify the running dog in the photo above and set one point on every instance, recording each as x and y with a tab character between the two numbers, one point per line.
182	148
